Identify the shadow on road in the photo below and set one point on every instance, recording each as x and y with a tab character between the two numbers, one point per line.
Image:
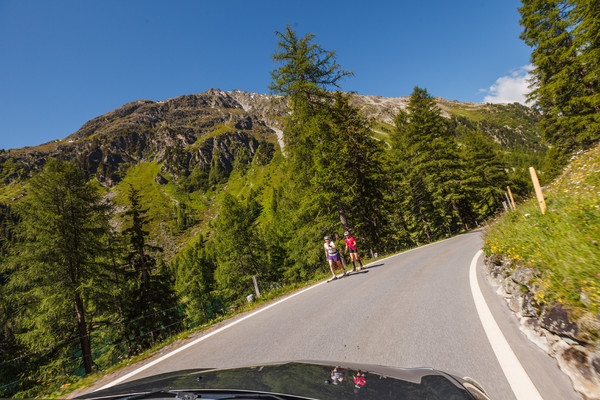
375	266
357	272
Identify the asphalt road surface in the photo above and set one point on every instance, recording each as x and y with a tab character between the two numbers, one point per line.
415	309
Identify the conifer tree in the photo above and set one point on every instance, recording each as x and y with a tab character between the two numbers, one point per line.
564	38
149	287
194	280
305	75
140	251
429	166
354	172
485	178
587	42
59	261
333	160
238	247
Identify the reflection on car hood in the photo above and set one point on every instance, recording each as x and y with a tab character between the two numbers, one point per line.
315	380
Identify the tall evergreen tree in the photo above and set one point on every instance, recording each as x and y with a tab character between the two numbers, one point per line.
587	41
334	161
564	38
150	299
59	263
194	281
305	75
353	169
238	246
429	167
485	178
140	256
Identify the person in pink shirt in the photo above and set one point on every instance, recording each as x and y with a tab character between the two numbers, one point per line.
351	248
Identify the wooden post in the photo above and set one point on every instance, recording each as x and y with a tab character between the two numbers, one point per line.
512	200
538	190
256	286
510	207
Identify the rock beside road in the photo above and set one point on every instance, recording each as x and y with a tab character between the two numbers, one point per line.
551	327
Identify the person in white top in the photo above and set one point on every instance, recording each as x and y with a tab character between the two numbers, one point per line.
332	255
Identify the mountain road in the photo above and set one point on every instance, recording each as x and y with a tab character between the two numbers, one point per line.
413	309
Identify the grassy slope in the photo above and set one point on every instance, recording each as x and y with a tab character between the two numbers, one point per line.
161	200
563	244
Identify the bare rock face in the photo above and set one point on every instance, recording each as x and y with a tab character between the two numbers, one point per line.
524	276
182	133
172	130
160	179
556	320
551	327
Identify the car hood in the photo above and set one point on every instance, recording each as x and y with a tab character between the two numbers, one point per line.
308	379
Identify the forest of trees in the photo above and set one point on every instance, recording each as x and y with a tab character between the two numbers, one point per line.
82	287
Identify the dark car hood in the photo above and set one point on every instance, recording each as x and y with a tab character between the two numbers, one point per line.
315	380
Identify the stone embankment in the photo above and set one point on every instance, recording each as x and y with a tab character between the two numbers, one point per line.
568	339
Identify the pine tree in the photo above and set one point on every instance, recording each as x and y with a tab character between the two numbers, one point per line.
59	261
194	281
587	42
334	163
354	171
150	298
564	38
238	247
140	251
305	75
485	178
429	170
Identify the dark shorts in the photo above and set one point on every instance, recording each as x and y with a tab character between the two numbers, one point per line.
352	251
333	257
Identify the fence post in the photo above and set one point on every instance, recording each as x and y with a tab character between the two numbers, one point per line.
508	202
512	200
256	286
538	190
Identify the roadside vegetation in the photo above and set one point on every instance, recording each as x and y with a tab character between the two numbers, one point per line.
562	245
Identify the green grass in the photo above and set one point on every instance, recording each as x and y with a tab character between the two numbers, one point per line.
159	198
563	244
11	192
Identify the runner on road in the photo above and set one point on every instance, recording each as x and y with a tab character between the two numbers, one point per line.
332	255
351	248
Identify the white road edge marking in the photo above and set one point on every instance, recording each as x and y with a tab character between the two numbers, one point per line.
200	339
517	377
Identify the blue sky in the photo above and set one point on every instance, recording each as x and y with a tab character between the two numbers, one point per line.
66	62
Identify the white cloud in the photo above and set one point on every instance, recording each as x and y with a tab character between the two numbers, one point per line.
511	88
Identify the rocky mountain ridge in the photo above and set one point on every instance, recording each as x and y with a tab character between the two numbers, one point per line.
194	133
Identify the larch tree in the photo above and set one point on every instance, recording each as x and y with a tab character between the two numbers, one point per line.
59	263
428	166
564	37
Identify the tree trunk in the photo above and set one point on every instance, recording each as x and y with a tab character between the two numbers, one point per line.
84	339
425	227
455	207
342	214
